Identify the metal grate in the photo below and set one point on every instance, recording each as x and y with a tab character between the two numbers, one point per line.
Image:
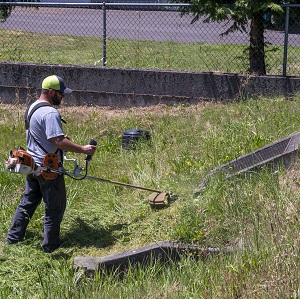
260	156
281	150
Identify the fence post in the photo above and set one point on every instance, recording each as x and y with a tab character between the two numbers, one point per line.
286	40
104	36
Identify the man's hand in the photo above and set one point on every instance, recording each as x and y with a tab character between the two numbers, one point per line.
89	149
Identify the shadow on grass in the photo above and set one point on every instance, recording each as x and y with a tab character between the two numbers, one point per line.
86	234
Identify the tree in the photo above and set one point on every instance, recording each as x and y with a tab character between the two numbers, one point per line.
5	10
242	13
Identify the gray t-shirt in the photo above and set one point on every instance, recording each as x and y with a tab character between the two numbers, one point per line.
45	123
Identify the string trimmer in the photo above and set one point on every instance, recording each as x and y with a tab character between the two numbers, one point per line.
20	161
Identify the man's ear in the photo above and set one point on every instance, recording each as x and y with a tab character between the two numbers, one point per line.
51	92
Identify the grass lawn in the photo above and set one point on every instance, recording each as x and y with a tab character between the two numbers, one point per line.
79	50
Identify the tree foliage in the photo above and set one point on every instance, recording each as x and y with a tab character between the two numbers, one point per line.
5	10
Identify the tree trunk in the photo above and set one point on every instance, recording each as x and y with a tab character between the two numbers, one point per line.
257	45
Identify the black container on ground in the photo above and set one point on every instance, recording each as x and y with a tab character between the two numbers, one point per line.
130	137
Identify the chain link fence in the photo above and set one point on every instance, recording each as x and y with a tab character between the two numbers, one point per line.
144	35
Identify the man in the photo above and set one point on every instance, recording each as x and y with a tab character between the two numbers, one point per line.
44	135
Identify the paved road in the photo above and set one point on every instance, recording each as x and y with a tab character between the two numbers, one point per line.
138	25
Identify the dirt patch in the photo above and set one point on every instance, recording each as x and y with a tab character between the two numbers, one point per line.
160	108
85	112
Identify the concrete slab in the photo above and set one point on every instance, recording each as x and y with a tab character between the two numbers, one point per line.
162	251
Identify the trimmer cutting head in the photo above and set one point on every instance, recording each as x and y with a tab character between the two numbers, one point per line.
159	200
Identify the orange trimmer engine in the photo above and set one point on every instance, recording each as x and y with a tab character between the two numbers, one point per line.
50	164
19	161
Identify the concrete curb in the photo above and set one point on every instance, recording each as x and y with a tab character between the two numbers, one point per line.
163	251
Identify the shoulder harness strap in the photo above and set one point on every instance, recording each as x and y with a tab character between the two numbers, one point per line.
27	116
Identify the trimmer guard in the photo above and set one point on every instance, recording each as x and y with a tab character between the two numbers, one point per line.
159	199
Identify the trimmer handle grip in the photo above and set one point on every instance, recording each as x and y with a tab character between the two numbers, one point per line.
92	142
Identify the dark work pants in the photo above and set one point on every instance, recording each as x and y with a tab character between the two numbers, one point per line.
54	195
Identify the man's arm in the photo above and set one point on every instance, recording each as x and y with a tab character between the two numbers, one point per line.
63	143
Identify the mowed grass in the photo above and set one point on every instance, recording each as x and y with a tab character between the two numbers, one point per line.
24	46
256	215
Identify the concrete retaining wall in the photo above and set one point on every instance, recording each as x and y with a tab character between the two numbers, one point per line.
21	82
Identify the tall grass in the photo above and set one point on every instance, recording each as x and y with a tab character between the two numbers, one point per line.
255	215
